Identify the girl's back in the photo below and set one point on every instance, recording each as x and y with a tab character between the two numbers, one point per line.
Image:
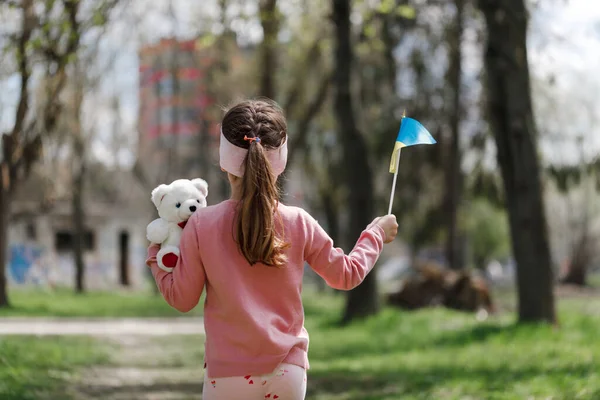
253	314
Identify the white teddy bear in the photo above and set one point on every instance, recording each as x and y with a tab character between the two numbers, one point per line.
175	204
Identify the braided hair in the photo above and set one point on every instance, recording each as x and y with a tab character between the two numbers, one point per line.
257	125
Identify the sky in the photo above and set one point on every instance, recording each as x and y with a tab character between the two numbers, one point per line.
564	42
568	47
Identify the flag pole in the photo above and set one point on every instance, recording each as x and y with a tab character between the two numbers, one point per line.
396	169
394	182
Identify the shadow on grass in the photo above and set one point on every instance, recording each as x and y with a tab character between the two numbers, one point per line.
351	346
396	383
393	336
479	334
404	382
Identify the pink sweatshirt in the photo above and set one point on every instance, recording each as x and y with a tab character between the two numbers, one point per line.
253	315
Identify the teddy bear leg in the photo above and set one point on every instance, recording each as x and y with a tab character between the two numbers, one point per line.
167	258
159	261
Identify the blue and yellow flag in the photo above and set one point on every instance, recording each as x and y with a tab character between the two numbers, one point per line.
411	133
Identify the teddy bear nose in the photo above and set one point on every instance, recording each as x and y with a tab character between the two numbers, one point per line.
192	208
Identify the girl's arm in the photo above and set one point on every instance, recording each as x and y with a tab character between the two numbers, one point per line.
341	271
182	287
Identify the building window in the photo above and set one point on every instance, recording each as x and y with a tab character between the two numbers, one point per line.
63	241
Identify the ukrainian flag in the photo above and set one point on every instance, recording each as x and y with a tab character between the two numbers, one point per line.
411	133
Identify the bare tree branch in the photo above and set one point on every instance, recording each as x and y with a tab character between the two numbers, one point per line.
28	25
310	112
313	56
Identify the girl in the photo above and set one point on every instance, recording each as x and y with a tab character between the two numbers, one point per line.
249	252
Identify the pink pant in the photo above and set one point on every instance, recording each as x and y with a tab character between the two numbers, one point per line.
287	382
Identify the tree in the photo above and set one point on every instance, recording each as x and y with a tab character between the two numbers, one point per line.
577	187
453	170
363	300
79	167
55	39
307	64
573	170
85	72
398	50
511	121
269	19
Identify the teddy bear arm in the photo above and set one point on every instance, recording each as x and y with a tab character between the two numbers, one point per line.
157	231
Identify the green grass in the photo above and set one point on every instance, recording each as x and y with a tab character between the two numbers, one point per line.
436	354
65	303
441	354
34	369
429	354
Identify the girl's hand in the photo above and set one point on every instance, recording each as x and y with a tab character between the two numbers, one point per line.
389	225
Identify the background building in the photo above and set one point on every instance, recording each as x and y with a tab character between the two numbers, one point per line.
179	113
40	250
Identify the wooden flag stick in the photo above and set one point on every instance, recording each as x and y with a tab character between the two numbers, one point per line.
396	170
394	182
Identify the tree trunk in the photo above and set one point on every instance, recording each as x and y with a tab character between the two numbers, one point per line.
4	216
453	170
79	221
270	24
581	248
78	179
13	141
576	275
580	259
223	95
363	300
511	120
333	224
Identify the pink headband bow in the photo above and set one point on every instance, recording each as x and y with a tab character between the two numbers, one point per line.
232	157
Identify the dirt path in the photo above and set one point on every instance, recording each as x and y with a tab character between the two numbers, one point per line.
101	327
150	359
145	368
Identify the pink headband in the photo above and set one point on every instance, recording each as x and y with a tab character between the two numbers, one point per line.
232	157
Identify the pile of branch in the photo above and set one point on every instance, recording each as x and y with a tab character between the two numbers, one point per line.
433	286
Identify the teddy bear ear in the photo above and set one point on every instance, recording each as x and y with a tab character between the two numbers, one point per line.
201	185
158	193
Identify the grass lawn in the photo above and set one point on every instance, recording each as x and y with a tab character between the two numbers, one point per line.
430	354
32	368
65	303
441	354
